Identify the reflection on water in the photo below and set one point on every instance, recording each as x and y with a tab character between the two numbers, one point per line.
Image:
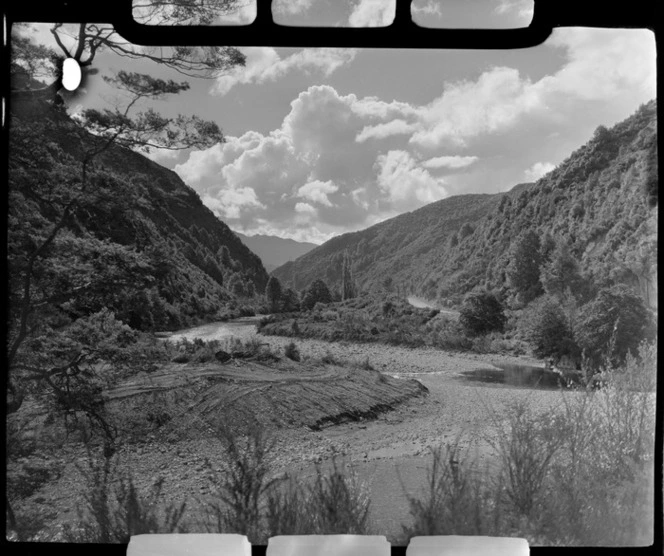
515	375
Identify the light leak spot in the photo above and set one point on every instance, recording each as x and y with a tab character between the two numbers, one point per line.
71	74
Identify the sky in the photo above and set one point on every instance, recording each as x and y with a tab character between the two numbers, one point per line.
324	141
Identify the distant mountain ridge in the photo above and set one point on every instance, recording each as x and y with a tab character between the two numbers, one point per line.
274	251
602	201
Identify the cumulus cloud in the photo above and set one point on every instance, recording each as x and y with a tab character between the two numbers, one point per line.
466	109
264	64
537	170
372	13
380	131
405	182
318	191
603	64
229	203
310	173
339	163
291	7
452	162
616	66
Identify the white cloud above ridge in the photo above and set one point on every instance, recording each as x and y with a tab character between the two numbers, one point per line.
406	182
330	138
264	64
537	170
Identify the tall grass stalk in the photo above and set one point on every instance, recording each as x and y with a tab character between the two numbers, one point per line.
114	509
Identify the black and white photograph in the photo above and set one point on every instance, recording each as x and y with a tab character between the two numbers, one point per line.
331	290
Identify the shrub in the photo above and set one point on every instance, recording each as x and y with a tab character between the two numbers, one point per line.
114	509
330	359
481	312
613	325
292	352
273	294
523	270
339	502
546	327
242	483
455	500
317	292
525	446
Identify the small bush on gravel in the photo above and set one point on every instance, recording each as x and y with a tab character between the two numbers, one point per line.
292	352
366	365
481	312
330	359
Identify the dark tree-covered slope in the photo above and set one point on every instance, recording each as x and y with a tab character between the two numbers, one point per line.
187	258
602	201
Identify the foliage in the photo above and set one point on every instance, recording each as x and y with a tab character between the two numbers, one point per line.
481	312
454	501
115	509
548	329
292	352
523	270
612	325
526	446
317	292
273	294
242	483
562	273
290	300
89	39
342	502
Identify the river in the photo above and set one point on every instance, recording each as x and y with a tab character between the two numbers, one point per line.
390	454
220	330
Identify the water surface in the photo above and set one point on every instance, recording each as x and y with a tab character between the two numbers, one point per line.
514	375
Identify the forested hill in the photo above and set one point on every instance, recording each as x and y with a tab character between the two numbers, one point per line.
139	241
601	202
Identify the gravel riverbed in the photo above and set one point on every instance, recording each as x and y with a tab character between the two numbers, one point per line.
390	454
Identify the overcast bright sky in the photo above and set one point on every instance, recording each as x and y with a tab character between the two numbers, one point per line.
325	141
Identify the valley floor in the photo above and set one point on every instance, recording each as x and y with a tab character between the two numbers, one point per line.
390	453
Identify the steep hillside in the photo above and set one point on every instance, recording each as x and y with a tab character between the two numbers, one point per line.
389	248
602	201
136	226
275	251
